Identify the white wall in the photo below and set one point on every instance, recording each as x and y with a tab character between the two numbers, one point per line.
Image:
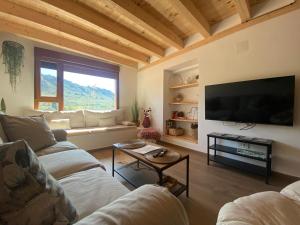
274	50
23	97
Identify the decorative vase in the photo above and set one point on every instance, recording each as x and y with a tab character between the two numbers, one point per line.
195	133
146	122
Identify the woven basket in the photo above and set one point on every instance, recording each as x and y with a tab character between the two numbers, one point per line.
176	131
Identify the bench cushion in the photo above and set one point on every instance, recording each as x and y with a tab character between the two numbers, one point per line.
62	164
92	189
91	130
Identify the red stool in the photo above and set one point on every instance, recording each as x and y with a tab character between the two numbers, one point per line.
149	134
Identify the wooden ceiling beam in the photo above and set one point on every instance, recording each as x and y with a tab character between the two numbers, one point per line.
51	22
196	18
151	23
104	22
7	25
243	8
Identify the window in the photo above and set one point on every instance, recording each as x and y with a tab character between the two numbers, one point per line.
66	82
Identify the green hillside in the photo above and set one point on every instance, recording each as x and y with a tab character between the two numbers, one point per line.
77	96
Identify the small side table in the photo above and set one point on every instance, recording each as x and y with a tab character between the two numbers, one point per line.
149	134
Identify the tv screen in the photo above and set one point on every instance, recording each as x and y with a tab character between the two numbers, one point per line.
264	101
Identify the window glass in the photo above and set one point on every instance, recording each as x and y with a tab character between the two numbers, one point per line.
83	91
48	79
48	106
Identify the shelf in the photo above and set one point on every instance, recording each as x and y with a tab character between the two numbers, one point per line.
183	138
183	103
185	120
185	86
234	151
143	174
239	164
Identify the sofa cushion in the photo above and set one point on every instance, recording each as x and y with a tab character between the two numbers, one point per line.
147	205
92	118
29	194
34	130
62	164
58	147
292	191
92	189
259	209
83	131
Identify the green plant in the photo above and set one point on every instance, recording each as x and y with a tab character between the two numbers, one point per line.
135	112
3	106
13	56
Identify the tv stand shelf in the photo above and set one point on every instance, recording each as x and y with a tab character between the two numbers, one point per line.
245	153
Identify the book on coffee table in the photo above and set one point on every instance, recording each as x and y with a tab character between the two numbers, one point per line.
146	149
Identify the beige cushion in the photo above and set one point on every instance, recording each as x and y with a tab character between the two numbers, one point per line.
58	147
1	141
92	189
62	164
292	191
262	208
29	194
92	118
76	117
59	124
147	205
107	122
84	131
34	130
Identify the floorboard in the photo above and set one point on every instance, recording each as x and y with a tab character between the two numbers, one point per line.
210	186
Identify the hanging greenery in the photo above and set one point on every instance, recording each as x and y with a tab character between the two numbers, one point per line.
13	56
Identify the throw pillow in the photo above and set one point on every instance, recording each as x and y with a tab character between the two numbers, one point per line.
34	130
1	141
29	194
60	124
107	122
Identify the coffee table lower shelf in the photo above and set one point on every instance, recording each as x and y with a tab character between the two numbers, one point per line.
137	174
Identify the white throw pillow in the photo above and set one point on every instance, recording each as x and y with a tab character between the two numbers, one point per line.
1	141
107	122
60	124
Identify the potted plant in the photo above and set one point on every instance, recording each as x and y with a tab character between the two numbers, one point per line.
135	113
194	127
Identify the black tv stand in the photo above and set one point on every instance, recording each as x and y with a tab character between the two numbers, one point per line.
265	157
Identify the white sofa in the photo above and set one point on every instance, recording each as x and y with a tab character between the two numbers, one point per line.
84	130
265	208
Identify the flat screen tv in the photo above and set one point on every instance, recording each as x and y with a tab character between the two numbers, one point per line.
264	101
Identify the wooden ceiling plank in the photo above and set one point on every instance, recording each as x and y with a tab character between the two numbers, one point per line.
107	24
60	41
243	8
196	18
40	18
136	13
284	10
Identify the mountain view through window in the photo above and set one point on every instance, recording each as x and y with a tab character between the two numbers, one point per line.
80	91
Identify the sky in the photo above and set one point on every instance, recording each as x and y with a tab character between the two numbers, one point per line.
85	80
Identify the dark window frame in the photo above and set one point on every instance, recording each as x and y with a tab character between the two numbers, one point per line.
70	63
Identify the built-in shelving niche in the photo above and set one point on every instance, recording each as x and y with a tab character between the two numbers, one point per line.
178	79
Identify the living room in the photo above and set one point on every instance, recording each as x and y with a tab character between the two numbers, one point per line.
94	76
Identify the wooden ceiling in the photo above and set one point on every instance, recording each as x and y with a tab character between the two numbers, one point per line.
121	31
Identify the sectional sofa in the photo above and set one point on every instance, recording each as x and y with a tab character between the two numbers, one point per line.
99	198
88	129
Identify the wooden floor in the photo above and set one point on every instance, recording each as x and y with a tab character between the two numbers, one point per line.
210	186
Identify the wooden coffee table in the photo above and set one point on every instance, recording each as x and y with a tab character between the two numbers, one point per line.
141	171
